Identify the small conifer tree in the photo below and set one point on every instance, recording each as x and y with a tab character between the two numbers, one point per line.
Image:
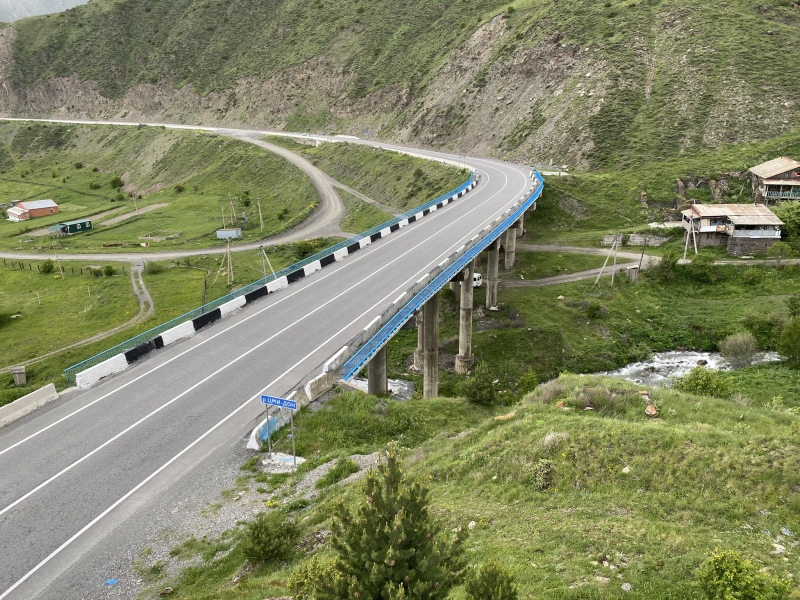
390	548
491	582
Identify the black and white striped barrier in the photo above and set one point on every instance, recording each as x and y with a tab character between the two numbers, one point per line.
85	379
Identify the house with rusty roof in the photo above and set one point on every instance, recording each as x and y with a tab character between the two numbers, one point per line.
741	228
30	209
776	180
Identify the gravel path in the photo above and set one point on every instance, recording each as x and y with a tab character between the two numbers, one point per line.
135	213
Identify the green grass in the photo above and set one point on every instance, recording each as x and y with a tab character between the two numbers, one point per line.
361	215
536	265
195	174
393	179
650	497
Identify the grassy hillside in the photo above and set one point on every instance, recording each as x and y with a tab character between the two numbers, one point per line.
588	83
573	502
192	174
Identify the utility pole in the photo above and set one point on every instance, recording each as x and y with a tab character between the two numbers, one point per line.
233	214
136	206
260	216
230	264
263	266
264	252
223	215
205	284
60	271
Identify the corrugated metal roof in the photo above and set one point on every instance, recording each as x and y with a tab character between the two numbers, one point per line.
31	204
740	214
16	210
75	222
776	166
755	220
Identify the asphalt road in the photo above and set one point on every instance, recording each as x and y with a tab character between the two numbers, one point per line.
78	474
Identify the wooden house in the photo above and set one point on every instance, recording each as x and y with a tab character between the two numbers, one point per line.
741	228
776	180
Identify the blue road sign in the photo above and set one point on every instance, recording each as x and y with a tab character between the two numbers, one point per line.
282	402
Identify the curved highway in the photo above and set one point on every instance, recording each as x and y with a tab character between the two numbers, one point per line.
73	474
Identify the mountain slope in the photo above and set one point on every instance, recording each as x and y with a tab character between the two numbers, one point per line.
584	83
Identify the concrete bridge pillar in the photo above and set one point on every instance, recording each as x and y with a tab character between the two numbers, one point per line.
492	266
430	323
465	359
419	350
378	373
521	225
511	246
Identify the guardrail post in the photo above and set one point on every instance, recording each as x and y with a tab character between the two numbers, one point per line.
465	359
430	386
511	246
419	351
377	374
493	264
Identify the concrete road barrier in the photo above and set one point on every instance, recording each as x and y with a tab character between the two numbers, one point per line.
27	404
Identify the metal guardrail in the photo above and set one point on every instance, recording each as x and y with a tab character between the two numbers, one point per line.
385	333
70	373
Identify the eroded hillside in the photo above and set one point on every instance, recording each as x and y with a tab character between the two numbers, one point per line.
583	83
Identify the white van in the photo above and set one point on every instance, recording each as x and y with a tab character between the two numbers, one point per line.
477	280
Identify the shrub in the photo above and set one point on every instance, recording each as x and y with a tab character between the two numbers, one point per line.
793	305
766	328
528	382
94	186
739	349
779	251
665	269
109	271
96	272
343	468
789	213
116	182
751	276
542	475
705	382
726	576
390	546
702	269
789	345
491	582
313	579
153	267
48	266
270	537
479	388
179	188
594	309
78	165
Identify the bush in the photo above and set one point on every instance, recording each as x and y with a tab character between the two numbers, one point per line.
739	349
109	271
313	579
96	272
491	582
48	266
116	182
793	305
702	269
270	537
542	475
479	388
94	186
766	328
594	309
705	382
751	276
665	269
726	576
528	382
343	468
179	188
78	165
153	267
779	251
789	345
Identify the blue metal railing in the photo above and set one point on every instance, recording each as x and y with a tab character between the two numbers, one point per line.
385	333
70	373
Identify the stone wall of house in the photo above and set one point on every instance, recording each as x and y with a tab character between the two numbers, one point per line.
706	239
741	246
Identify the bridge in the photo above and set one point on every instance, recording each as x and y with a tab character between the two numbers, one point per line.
85	474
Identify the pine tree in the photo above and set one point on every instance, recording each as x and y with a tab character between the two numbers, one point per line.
491	582
390	548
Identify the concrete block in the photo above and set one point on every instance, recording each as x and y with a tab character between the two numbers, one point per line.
280	283
184	330
385	232
336	361
340	254
319	385
364	242
27	404
232	305
311	268
86	379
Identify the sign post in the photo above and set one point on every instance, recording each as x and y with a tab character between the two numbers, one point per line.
282	403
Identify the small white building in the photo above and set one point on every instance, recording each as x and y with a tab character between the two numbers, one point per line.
741	228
